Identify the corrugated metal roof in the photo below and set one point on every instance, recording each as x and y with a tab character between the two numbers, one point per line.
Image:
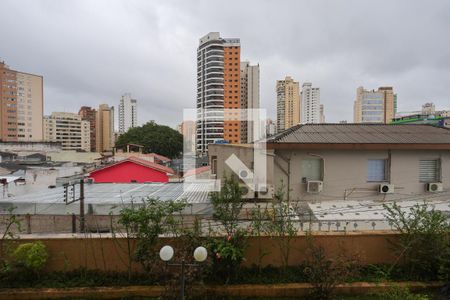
363	134
105	196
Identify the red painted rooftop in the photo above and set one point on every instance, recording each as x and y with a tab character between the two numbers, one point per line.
141	162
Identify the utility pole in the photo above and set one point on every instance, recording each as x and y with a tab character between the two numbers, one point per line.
82	206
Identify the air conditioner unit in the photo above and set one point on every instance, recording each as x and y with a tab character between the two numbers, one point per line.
265	191
247	192
314	186
434	187
386	189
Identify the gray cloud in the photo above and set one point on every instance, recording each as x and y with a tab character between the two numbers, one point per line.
90	52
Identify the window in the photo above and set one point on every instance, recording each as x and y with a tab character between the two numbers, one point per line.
312	169
214	165
429	170
377	170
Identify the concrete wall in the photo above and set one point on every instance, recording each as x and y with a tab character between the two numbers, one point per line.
32	147
345	174
344	171
107	253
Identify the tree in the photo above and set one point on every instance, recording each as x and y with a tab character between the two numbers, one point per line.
424	244
228	252
155	138
282	225
146	222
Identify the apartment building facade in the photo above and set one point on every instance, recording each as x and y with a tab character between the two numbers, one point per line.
127	113
218	88
22	106
311	107
373	106
104	120
320	162
187	129
249	98
68	129
89	114
288	103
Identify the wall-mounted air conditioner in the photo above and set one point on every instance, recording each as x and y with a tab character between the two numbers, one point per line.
265	191
386	188
247	192
314	186
434	187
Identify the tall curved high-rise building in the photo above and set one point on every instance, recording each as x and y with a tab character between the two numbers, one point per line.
218	88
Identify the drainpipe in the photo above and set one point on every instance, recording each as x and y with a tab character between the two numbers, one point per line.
288	173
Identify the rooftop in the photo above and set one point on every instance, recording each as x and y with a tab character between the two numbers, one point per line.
107	197
381	134
139	161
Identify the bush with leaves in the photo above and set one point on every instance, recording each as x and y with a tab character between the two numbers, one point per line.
396	292
281	226
259	227
31	256
146	222
227	252
11	223
325	273
424	246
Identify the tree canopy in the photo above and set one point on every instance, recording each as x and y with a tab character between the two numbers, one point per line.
155	138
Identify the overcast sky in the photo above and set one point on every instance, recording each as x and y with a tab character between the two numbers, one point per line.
91	52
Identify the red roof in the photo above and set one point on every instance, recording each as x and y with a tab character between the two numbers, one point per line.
197	171
160	157
141	162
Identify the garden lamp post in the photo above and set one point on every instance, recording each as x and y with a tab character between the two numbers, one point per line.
166	254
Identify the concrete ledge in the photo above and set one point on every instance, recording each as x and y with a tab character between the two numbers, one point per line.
241	290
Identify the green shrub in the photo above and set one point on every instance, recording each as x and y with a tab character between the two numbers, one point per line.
424	244
401	293
32	256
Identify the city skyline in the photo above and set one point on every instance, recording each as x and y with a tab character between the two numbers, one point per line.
161	53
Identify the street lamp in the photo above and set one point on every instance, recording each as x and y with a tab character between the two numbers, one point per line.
166	254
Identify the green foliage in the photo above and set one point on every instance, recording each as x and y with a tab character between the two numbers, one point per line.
401	293
31	256
325	273
282	225
424	245
259	227
227	205
228	253
12	223
146	222
155	138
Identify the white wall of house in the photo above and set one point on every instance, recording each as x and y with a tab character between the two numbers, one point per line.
345	172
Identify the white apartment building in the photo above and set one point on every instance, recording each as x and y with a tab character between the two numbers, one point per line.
68	129
249	97
310	98
127	113
217	84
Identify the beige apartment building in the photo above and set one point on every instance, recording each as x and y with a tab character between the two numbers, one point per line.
187	129
288	103
375	106
22	106
321	162
104	120
249	97
89	114
68	129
